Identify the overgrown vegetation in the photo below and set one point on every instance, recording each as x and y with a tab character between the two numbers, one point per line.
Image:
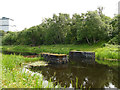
12	61
110	63
59	34
91	27
108	52
103	52
62	49
14	77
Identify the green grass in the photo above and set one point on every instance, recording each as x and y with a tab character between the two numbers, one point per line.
63	49
13	77
11	61
11	64
109	63
18	79
108	52
101	53
0	70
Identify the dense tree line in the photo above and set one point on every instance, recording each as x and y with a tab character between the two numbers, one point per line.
91	27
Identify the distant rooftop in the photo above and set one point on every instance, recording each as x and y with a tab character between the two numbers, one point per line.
4	18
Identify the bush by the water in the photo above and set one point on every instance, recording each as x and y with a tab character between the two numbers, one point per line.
114	40
107	52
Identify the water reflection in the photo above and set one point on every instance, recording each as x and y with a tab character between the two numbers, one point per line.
89	75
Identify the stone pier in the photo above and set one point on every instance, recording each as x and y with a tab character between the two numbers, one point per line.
82	56
55	58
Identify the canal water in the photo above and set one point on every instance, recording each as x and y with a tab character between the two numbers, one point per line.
80	74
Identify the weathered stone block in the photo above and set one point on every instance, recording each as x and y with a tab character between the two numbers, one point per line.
82	56
55	58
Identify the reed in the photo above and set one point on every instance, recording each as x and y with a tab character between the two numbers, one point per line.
108	52
14	77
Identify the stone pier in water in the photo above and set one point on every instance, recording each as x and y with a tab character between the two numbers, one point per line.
82	56
55	58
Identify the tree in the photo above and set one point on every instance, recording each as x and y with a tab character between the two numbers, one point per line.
114	23
57	29
100	11
115	36
10	38
92	28
2	33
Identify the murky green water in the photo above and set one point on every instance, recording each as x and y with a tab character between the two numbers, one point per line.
88	75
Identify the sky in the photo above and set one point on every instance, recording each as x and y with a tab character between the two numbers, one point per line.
28	13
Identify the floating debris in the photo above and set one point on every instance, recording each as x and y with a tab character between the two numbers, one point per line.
37	64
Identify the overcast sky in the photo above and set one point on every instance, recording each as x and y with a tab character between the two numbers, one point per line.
27	13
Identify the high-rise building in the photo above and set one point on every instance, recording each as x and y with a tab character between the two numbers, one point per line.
5	23
119	7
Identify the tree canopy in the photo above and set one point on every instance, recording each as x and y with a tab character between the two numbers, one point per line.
91	27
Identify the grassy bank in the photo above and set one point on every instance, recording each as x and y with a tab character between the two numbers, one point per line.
109	63
64	49
14	77
106	52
